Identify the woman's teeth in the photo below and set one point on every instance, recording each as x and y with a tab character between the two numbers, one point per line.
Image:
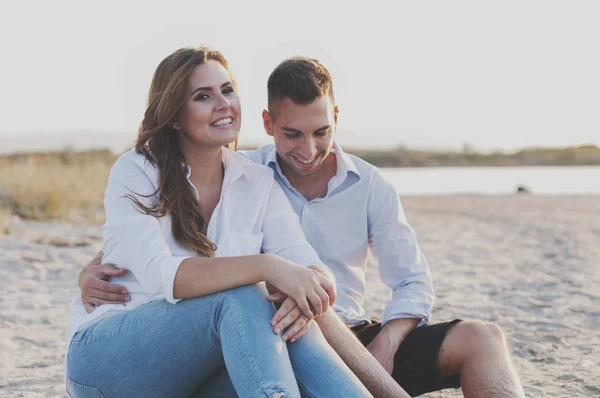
223	122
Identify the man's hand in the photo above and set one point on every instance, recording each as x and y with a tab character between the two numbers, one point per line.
95	290
288	318
385	345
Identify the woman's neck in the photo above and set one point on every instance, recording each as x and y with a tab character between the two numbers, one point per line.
206	165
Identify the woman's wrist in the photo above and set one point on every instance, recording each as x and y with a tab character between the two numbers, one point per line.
267	266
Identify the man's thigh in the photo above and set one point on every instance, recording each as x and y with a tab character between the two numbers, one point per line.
416	361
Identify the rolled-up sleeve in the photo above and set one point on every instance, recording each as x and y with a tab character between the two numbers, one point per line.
282	233
132	239
402	265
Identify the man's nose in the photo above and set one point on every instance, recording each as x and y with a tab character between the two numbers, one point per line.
309	150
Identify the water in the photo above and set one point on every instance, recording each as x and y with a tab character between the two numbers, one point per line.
495	180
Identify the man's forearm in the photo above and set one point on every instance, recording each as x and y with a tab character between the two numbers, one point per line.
398	329
357	357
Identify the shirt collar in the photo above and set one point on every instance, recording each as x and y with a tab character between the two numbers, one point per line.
233	168
345	165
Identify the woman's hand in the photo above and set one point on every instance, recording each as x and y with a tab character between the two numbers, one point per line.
307	287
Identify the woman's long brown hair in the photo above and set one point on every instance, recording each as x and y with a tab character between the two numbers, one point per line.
158	142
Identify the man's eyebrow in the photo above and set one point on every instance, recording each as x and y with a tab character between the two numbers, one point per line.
292	130
227	83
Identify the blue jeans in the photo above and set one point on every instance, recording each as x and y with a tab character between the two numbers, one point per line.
165	350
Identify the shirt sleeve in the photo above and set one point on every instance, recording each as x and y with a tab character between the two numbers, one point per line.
282	232
132	239
402	265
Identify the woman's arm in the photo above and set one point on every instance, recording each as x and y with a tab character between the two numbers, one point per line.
134	240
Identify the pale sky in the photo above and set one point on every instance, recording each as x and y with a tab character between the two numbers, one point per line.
502	74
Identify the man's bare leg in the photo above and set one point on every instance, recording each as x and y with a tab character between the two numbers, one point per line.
479	352
358	358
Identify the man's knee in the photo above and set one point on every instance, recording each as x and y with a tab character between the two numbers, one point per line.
478	337
469	339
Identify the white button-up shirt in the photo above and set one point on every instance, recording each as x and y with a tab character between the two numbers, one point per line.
361	210
252	216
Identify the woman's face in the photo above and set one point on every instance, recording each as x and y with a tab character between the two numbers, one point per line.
211	114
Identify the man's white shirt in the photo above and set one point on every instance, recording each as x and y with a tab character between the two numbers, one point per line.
360	211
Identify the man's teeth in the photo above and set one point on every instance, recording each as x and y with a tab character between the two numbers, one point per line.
223	122
305	161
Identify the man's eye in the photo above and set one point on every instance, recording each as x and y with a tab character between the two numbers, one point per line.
201	97
292	136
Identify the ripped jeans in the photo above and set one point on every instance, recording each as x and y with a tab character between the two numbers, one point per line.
165	350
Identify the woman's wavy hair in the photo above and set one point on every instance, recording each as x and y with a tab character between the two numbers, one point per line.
158	141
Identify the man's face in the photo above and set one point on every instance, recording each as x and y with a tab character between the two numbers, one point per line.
303	134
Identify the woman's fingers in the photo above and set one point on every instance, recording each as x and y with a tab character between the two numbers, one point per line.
304	306
324	299
315	300
330	289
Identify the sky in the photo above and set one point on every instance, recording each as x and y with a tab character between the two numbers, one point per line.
437	74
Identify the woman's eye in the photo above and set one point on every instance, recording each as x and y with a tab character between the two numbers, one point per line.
228	90
201	97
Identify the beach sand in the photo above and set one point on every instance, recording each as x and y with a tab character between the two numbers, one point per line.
528	263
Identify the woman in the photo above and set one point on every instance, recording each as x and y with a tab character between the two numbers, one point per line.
188	218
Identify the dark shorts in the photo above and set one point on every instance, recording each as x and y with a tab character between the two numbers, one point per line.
415	364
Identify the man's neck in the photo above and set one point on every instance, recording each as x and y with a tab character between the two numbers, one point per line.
315	185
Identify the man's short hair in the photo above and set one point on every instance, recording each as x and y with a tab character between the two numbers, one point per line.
300	79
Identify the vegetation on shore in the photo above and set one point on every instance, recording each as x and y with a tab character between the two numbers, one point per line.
584	155
70	185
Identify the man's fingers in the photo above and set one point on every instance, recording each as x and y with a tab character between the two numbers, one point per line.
301	332
97	302
277	297
88	308
104	295
289	319
285	308
112	271
101	285
295	328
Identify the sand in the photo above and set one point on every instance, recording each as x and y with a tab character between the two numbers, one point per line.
530	264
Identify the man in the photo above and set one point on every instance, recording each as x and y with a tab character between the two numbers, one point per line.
346	207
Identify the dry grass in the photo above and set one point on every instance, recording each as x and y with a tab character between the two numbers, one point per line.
65	186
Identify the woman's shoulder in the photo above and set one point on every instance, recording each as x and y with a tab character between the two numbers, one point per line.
133	164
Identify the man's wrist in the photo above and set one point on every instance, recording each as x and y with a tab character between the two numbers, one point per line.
398	329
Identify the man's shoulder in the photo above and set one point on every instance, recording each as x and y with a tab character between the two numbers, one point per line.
371	173
260	155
